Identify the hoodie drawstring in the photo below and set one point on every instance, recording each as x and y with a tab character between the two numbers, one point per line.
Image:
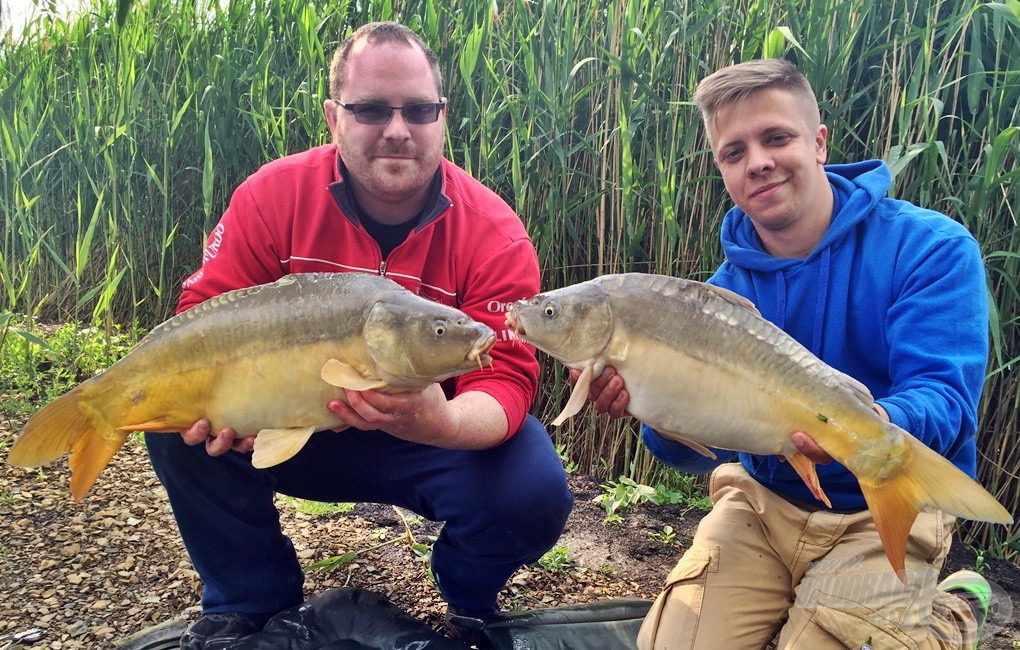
820	300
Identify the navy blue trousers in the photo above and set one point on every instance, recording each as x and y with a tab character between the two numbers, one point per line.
502	507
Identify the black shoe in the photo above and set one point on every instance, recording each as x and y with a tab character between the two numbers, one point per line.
469	626
215	631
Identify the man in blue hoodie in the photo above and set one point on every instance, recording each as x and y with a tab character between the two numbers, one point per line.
885	291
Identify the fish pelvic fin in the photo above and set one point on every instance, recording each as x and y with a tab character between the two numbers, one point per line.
69	425
577	397
155	426
273	446
338	373
805	468
690	442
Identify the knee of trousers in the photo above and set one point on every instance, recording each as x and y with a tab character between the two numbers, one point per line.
532	513
673	620
831	627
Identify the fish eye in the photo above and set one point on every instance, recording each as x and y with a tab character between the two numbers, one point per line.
439	328
550	308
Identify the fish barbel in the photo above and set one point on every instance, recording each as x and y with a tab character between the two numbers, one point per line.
263	361
702	367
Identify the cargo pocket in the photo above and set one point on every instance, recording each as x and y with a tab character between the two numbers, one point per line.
851	630
675	613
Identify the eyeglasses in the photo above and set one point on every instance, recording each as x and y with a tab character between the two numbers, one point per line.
379	114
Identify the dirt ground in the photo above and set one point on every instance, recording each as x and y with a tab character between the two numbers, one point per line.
89	574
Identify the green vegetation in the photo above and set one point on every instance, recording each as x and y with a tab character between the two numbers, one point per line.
664	536
620	495
35	368
119	148
556	560
318	508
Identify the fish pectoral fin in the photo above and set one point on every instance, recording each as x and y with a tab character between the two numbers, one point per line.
273	446
577	396
805	468
338	373
693	444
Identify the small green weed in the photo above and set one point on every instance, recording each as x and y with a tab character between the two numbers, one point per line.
326	565
424	550
556	560
569	466
979	560
318	508
665	536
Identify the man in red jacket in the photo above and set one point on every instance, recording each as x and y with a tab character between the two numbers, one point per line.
380	199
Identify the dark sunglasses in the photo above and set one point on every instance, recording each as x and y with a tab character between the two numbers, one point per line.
379	114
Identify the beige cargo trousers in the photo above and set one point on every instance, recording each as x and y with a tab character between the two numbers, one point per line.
760	565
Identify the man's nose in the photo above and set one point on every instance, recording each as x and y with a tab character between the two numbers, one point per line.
759	160
397	127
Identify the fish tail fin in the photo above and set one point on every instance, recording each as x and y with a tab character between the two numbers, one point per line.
68	425
894	508
925	479
943	485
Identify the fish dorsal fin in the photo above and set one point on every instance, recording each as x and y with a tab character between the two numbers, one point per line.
577	396
338	373
273	446
857	388
690	442
732	298
805	468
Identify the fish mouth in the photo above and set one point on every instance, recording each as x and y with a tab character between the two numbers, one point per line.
479	352
514	323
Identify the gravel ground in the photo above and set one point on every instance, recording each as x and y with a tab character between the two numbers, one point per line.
92	573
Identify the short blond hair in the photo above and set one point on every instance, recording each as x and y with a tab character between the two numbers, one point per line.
735	83
378	32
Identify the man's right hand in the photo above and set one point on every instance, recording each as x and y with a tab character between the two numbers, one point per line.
224	441
607	392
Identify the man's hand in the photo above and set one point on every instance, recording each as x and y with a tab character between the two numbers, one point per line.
607	392
472	420
807	446
226	440
409	416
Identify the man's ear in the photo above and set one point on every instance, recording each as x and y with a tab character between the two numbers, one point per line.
329	108
821	149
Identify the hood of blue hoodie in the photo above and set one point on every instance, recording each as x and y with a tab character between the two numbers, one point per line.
801	286
856	188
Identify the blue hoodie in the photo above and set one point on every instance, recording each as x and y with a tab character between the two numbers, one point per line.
894	295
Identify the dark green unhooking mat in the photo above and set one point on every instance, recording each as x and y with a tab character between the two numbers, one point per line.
605	625
356	619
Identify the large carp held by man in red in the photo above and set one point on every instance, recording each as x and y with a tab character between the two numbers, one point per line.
263	361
